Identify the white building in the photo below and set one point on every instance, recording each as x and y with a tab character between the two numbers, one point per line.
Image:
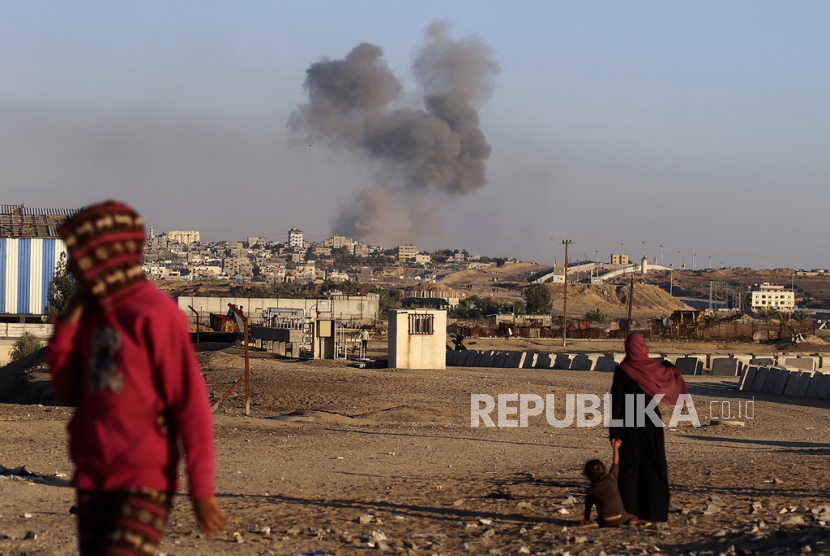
336	242
407	252
183	237
417	339
295	238
766	295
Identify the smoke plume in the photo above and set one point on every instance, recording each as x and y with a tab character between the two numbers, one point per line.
419	155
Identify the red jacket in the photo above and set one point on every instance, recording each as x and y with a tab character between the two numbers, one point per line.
124	370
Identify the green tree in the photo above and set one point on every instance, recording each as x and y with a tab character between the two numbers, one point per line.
25	345
768	314
802	317
466	309
520	308
538	299
598	315
489	306
60	290
388	298
346	286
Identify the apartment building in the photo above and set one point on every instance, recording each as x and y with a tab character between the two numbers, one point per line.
767	295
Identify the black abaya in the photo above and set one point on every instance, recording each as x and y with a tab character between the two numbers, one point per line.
644	476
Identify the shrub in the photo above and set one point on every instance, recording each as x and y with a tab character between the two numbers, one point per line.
27	344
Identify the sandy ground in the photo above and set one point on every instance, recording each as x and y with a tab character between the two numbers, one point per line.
398	445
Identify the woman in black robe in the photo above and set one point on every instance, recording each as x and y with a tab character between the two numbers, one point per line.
643	477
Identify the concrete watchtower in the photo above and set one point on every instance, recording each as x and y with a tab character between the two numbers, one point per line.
644	265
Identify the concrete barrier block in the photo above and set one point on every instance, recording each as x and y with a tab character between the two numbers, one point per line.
618	357
530	360
765	361
772	379
804	383
581	363
673	357
814	386
704	359
824	361
562	361
824	389
803	363
656	357
748	379
760	378
744	359
689	366
715	359
725	367
484	359
606	364
515	359
793	383
593	358
781	381
544	361
499	359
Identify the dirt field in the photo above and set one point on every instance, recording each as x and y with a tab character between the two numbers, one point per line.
398	445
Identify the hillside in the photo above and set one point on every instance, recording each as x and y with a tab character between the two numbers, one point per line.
649	300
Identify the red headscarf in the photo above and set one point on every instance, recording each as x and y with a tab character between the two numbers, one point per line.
652	376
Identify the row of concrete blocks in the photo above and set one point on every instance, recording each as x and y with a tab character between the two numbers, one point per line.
787	381
688	364
532	360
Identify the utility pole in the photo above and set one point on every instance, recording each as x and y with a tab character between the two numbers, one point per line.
630	303
671	280
565	242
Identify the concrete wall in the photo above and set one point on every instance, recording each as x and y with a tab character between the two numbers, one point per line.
417	351
361	308
10	332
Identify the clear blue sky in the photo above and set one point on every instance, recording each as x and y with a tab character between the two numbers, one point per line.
693	125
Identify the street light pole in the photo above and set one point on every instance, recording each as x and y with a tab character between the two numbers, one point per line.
671	279
565	242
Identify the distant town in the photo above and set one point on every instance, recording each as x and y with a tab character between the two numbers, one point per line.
181	255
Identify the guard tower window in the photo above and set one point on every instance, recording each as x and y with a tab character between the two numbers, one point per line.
420	324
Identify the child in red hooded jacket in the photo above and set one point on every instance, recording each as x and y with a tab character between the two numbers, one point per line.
121	354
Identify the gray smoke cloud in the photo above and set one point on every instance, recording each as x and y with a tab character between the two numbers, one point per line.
419	154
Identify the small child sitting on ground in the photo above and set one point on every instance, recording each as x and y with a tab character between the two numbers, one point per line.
604	493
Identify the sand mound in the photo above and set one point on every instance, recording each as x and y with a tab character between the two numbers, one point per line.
28	381
648	300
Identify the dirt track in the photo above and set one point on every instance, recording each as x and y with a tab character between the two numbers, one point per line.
398	445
